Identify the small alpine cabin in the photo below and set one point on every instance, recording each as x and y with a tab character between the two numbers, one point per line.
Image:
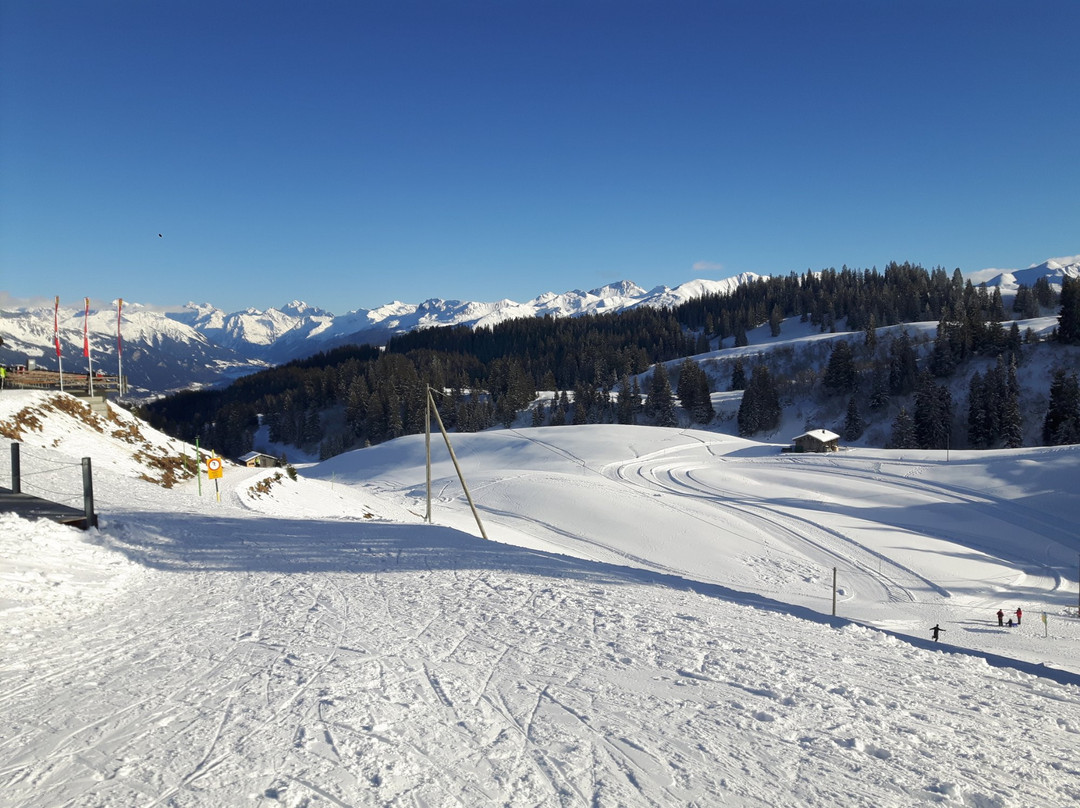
816	440
256	460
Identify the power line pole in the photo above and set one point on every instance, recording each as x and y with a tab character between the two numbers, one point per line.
427	448
834	591
457	467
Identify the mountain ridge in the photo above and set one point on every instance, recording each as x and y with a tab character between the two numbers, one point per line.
205	345
201	345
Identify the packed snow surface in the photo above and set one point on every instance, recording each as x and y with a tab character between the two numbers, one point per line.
649	623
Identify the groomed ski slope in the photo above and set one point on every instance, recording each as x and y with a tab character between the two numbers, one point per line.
649	625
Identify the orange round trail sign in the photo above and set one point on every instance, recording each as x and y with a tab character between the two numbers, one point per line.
213	467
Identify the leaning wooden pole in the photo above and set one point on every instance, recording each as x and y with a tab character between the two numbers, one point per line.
457	468
834	591
427	447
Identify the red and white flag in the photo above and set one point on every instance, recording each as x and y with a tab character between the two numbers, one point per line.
56	325
86	329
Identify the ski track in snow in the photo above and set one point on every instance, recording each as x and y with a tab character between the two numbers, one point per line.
256	653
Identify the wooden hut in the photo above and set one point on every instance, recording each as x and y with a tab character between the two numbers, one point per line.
816	440
254	460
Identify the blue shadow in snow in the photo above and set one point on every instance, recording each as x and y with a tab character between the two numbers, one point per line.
192	543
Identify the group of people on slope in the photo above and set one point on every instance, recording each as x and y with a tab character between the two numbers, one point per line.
936	630
1001	617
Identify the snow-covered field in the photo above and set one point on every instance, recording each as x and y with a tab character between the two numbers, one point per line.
649	624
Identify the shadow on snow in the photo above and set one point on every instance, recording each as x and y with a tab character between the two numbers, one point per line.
186	543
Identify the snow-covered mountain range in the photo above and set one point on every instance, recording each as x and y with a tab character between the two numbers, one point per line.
199	344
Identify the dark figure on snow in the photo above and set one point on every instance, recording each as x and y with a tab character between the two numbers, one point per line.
1019	614
1001	617
936	630
1010	623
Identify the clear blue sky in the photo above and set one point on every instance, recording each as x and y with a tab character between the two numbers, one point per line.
351	153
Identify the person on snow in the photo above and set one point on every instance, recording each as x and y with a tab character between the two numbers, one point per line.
1001	617
1019	614
935	630
1010	623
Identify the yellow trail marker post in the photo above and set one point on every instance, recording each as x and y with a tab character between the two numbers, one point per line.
214	470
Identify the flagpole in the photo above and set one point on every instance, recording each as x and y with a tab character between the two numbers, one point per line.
119	352
86	348
56	339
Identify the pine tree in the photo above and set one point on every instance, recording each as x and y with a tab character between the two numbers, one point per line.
558	413
1044	293
933	414
903	366
776	318
1012	418
687	388
879	389
738	375
660	402
703	411
1026	304
760	408
586	404
903	431
870	336
977	434
840	371
943	358
312	426
853	422
1068	330
1062	422
625	409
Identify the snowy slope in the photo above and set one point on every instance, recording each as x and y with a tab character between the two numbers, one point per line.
649	625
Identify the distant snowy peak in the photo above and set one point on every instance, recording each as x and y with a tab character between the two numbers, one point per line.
202	316
299	308
1009	280
618	290
691	290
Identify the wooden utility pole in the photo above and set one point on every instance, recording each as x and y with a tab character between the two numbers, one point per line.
457	468
834	591
427	448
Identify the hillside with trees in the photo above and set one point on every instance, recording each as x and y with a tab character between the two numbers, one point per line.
872	380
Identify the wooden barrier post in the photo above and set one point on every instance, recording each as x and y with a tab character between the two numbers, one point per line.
16	473
88	494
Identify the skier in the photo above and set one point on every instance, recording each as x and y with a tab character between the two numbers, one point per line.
1001	617
1019	614
936	629
1010	623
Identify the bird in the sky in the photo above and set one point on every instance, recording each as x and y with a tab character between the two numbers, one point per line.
159	235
